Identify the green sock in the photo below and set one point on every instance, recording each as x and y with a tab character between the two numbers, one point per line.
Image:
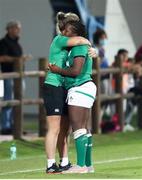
81	146
88	160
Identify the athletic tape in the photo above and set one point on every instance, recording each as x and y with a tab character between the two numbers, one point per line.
79	132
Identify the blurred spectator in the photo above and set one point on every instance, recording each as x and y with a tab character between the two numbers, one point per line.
127	80
131	83
100	41
10	49
137	90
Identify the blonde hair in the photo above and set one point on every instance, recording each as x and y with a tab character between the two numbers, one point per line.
64	18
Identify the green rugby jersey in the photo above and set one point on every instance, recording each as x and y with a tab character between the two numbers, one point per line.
86	72
58	56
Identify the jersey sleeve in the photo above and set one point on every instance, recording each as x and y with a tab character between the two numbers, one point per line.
62	41
81	51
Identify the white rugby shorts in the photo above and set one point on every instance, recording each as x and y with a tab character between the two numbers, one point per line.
83	95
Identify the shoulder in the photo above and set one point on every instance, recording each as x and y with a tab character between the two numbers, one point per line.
80	47
3	42
61	41
58	37
81	50
55	38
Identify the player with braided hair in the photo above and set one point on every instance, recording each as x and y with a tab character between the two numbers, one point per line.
54	95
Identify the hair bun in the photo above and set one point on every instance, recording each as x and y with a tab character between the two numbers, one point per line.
60	16
72	16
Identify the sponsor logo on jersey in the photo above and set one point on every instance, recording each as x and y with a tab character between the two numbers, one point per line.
57	110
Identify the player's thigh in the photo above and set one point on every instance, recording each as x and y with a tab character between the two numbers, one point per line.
65	124
78	116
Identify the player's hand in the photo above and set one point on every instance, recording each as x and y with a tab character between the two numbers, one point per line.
92	52
89	43
53	68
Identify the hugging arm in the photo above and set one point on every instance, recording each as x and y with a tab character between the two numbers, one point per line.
78	40
64	41
72	71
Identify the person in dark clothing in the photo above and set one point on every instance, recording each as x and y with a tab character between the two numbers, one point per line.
10	50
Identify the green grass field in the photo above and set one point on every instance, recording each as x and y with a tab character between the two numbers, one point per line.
116	155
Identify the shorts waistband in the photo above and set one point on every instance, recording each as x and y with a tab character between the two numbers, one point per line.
81	84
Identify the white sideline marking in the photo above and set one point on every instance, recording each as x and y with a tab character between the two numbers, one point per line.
97	162
22	171
118	160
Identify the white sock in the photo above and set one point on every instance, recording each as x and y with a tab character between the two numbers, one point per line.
64	161
50	162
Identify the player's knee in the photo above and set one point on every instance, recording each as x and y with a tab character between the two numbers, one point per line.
54	131
79	132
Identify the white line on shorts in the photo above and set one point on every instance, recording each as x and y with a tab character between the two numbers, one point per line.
97	162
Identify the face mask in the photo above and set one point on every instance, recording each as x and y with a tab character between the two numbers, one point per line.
102	42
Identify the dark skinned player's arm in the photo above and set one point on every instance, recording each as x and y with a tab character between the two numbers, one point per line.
72	71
